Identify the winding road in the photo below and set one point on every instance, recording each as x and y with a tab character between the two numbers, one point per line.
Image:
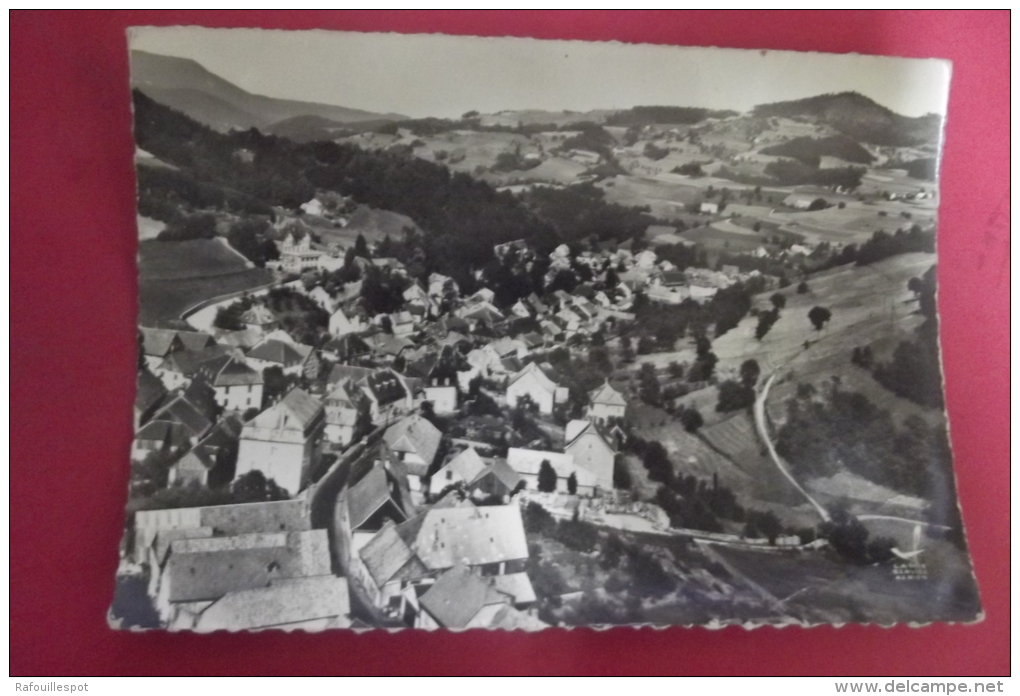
760	423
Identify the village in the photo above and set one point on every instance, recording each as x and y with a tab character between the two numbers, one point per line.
426	529
656	365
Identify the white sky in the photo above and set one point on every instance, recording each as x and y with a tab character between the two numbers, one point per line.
445	76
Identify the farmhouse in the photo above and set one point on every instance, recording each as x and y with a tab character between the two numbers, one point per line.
527	463
591	451
534	382
605	403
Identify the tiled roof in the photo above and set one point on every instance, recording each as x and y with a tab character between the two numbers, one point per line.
608	396
457	597
280	352
296	411
416	435
443	538
159	342
285	602
368	495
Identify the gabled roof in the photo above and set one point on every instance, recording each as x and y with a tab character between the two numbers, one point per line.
150	391
160	342
445	537
388	344
346	394
285	602
457	597
347	346
544	380
607	396
386	385
414	434
244	339
579	428
351	372
296	411
525	461
195	340
368	495
467	465
517	586
188	362
386	554
502	472
235	372
207	569
181	411
280	352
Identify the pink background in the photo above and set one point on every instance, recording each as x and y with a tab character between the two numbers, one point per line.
74	295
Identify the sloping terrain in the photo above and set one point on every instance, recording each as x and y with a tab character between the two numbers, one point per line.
185	85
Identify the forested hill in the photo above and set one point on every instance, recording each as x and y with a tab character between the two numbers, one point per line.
463	218
858	117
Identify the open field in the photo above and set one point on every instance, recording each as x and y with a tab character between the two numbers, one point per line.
175	275
197	258
163	300
373	224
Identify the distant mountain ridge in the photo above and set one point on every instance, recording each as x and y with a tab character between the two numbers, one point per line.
185	85
858	117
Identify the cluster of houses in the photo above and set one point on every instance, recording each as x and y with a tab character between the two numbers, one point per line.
429	530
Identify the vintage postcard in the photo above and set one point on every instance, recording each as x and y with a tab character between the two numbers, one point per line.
455	332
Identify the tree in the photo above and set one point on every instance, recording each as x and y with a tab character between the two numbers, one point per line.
819	316
572	484
676	370
546	477
651	392
802	288
778	300
621	475
361	247
749	373
626	349
765	321
691	419
645	345
734	396
254	487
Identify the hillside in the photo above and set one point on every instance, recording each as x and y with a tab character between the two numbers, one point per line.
858	117
185	85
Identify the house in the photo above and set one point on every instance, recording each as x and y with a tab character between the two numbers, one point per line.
321	298
209	462
344	406
536	383
482	478
414	441
441	286
199	571
297	255
149	394
606	403
527	463
646	259
158	344
460	599
591	451
260	317
305	603
521	310
389	393
283	442
237	386
221	520
293	358
401	323
488	541
442	394
342	324
463	468
179	424
346	348
709	208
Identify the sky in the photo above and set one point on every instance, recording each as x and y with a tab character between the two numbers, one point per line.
445	76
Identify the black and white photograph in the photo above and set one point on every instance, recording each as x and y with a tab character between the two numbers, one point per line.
447	332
